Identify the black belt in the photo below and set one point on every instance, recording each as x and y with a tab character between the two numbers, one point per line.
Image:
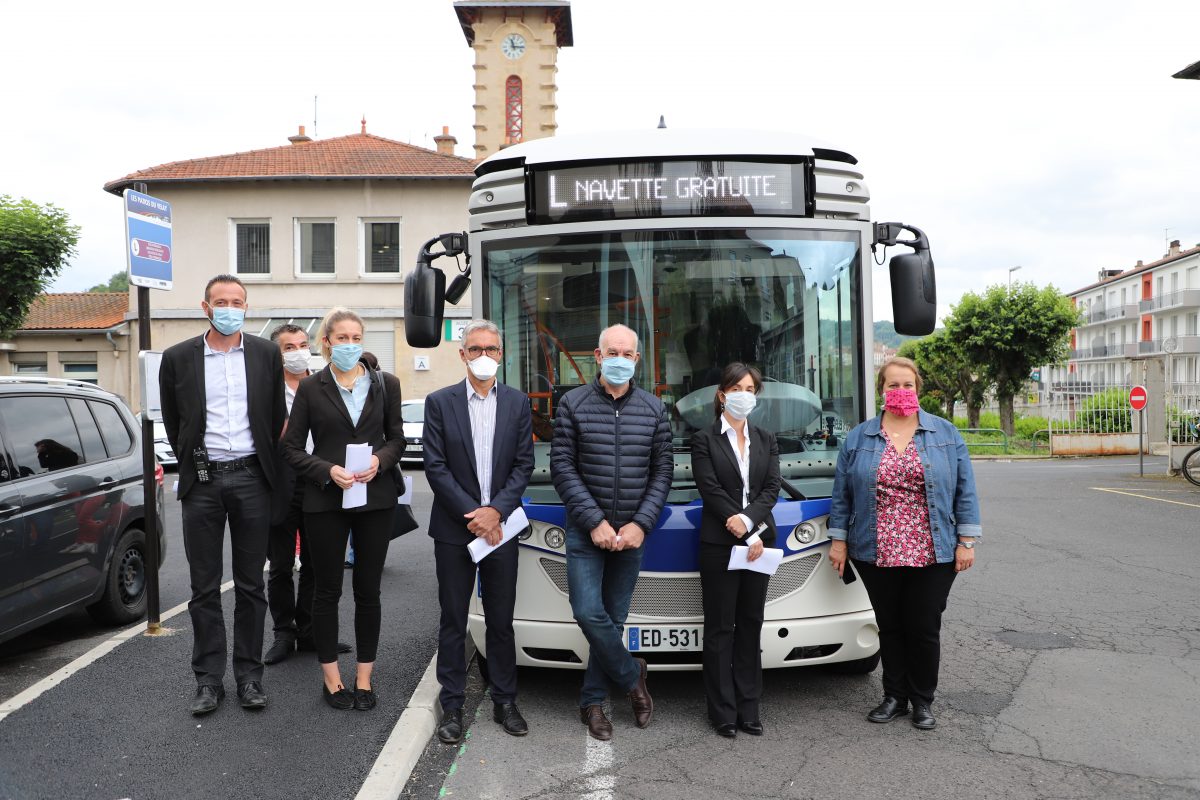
230	466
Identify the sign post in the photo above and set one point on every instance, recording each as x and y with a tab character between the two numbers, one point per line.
148	253
1138	397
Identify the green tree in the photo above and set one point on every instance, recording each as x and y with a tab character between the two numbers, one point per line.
119	282
1008	331
35	244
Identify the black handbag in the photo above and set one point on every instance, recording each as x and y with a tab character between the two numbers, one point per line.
403	520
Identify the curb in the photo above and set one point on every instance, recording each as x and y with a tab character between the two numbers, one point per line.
404	747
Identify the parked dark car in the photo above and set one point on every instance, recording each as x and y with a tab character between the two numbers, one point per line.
72	530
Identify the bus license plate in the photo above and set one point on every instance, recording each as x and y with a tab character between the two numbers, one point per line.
642	639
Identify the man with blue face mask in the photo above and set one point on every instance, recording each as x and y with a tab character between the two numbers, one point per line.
611	464
223	406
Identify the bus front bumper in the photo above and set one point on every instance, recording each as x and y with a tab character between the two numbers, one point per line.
785	643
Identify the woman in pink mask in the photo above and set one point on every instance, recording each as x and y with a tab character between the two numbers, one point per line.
905	511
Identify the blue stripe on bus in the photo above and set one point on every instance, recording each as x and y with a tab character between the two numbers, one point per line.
675	545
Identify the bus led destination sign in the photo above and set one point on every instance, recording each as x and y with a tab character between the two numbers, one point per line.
668	189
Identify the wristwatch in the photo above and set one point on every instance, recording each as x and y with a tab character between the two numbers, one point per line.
968	545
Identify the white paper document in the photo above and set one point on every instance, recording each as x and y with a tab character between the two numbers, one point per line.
516	522
767	563
406	498
358	458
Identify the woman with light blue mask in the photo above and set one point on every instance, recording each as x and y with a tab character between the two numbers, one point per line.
344	404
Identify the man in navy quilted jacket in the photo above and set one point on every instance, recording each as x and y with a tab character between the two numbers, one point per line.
611	464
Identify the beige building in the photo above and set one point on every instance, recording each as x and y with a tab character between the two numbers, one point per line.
79	336
516	46
307	226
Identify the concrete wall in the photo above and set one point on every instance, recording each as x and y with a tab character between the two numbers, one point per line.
112	365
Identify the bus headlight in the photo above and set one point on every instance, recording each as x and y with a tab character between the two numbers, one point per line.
555	538
806	532
525	534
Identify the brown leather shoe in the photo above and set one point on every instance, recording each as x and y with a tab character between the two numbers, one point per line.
598	725
639	696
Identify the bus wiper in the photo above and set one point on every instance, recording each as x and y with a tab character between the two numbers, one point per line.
792	491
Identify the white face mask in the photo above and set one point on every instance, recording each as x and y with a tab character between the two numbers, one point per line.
296	361
483	368
740	404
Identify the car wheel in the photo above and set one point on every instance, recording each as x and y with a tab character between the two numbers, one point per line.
124	598
860	666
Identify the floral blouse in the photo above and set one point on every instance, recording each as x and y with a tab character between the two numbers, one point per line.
902	511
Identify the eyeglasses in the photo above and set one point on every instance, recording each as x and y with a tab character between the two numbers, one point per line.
476	352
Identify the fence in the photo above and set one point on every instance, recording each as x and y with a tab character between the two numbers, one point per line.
1183	421
1095	422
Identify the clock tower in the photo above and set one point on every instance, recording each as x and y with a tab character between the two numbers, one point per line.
516	46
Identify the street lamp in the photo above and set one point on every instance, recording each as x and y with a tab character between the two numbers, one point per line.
1011	270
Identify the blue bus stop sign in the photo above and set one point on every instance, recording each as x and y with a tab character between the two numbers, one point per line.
148	240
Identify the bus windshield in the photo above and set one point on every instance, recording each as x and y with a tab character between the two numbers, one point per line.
784	300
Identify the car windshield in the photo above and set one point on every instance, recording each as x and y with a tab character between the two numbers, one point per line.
786	301
412	412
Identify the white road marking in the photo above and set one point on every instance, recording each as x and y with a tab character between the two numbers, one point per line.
1146	497
91	656
598	756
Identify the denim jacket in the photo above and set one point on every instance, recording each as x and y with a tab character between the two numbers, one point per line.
949	487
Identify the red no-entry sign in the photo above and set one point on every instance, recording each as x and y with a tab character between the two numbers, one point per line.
1138	398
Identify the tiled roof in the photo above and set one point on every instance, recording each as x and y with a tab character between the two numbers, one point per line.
76	311
359	155
1139	268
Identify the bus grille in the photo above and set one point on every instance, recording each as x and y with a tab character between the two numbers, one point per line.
670	596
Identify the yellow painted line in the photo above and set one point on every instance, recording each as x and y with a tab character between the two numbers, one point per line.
1147	497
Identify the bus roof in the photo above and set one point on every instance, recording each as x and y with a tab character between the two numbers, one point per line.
659	143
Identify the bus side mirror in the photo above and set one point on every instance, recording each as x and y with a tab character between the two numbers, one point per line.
424	305
914	293
914	289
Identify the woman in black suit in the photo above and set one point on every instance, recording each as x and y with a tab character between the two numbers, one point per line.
345	404
737	472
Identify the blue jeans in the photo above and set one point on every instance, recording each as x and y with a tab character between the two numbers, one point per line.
601	587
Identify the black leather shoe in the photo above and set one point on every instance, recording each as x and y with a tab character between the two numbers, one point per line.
508	715
888	710
922	717
279	650
753	727
364	699
208	697
309	646
342	699
727	729
251	695
450	731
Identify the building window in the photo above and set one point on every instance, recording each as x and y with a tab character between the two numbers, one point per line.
80	370
250	246
314	246
380	246
513	125
28	364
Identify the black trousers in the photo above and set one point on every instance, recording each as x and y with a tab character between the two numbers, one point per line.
327	533
456	581
734	605
908	603
291	611
243	499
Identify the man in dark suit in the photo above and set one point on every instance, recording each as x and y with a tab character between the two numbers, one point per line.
478	440
223	407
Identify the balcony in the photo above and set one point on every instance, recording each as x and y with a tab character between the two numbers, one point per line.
1100	314
1105	351
1171	301
1184	345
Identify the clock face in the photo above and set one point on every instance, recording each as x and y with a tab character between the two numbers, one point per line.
513	46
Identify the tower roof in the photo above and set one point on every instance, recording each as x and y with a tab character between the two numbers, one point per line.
557	11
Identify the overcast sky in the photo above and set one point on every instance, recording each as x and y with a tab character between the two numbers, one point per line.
1045	134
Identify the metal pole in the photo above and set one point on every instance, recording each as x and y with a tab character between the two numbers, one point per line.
149	495
1141	445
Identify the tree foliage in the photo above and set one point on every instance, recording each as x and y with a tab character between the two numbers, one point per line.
1008	331
119	282
35	244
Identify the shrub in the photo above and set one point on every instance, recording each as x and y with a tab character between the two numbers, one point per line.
1105	412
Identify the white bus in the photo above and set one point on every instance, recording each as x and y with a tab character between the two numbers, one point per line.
714	247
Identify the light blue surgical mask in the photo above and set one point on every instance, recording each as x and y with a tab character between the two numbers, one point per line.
227	320
740	404
345	356
617	370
